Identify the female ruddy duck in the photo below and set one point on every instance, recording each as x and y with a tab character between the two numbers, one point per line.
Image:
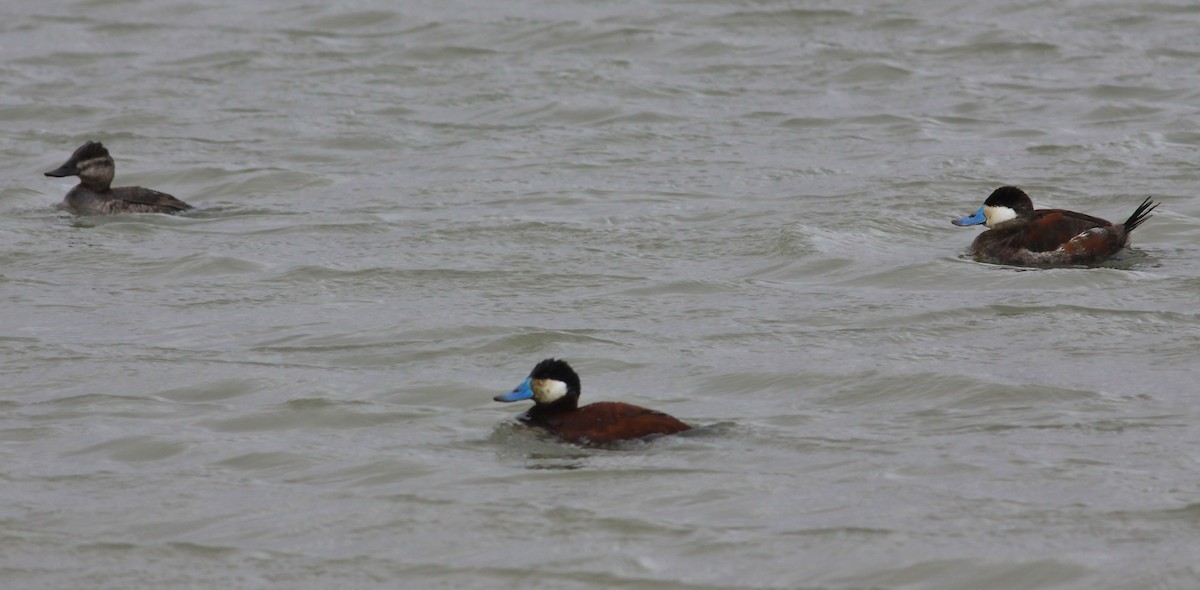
95	169
1017	234
554	388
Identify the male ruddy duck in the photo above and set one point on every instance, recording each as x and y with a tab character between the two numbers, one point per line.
1020	235
554	388
95	169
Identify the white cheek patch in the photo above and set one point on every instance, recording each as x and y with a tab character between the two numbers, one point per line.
997	215
547	391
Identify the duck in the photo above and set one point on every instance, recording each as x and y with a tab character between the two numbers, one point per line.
95	169
1020	235
554	388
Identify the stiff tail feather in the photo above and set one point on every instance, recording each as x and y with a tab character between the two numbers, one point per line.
1141	214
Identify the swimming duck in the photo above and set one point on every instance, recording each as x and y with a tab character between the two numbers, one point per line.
1020	235
95	169
554	388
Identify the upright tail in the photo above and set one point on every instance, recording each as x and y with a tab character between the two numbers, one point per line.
1142	213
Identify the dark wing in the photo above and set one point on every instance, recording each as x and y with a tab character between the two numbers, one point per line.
135	199
1095	245
1051	228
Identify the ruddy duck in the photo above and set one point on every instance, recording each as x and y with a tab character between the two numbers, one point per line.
95	169
554	388
1020	235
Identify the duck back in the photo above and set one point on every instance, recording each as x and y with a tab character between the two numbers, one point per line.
126	199
604	423
135	199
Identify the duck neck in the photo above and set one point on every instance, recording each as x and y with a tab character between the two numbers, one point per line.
566	404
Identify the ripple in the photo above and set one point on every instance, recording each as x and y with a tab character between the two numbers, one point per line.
135	449
873	72
315	415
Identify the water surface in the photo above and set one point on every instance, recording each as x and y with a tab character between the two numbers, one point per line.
735	212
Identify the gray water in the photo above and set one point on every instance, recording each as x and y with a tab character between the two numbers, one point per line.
734	212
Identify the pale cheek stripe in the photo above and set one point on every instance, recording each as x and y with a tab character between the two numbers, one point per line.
996	215
548	390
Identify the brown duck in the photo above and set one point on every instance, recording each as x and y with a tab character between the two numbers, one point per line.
94	193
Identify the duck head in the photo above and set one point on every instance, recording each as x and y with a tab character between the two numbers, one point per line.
552	383
1004	204
91	163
